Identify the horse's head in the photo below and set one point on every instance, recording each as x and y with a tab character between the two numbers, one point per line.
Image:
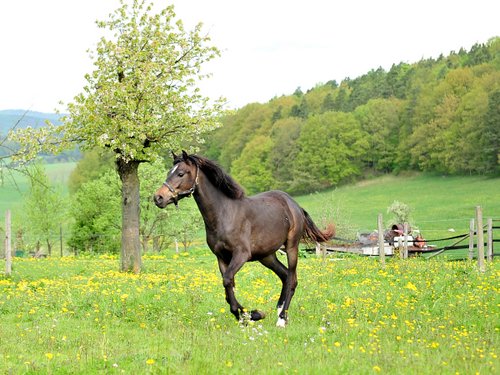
180	183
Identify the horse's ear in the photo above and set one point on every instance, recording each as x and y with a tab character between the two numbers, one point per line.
185	156
173	154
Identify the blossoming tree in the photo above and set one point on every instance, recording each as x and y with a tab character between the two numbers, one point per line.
141	100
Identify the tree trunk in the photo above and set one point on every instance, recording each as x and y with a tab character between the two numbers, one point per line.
131	247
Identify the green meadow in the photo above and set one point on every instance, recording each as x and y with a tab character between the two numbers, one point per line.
65	315
350	316
15	184
441	206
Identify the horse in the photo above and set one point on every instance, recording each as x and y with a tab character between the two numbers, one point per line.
242	229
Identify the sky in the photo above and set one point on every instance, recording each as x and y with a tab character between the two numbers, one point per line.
269	47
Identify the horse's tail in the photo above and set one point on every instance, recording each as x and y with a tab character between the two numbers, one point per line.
313	233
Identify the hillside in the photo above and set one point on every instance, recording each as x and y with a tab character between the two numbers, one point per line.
439	204
10	117
438	115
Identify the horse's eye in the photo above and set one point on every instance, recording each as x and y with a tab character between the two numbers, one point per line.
180	174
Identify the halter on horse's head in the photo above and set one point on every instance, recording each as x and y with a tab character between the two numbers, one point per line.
181	181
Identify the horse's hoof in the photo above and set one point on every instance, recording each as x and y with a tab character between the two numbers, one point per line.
281	323
257	315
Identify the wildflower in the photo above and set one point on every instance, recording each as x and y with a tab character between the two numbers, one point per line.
150	361
49	356
376	368
411	286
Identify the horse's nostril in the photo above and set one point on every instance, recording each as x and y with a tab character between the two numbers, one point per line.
158	199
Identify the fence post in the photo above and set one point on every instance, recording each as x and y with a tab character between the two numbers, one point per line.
489	252
480	239
405	240
8	244
471	239
381	247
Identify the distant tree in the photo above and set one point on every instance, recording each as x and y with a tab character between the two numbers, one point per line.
92	165
244	125
95	210
333	84
490	140
380	119
252	169
401	212
398	79
331	149
298	92
284	136
44	208
300	110
277	114
140	100
328	103
341	100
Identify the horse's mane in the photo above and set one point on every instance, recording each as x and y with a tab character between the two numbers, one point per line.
216	175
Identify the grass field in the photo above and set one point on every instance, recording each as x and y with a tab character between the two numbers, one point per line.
15	184
441	206
437	202
350	316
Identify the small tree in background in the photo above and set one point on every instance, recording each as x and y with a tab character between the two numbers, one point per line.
44	209
401	212
140	100
95	210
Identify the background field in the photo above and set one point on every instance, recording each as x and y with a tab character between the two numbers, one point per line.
15	184
440	204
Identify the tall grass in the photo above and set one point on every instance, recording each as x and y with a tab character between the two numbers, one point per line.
67	315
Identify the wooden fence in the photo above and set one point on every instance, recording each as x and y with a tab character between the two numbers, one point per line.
477	241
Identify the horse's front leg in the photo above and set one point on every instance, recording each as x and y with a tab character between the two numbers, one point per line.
228	271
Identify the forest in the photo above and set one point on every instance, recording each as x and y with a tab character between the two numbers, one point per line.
438	115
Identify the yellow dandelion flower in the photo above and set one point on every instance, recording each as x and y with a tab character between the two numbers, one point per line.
411	286
49	356
150	361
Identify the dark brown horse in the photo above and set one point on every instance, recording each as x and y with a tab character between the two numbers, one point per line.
240	229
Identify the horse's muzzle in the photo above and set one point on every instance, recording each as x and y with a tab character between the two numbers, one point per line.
160	201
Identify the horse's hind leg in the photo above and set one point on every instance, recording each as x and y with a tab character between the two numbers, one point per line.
290	284
273	263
